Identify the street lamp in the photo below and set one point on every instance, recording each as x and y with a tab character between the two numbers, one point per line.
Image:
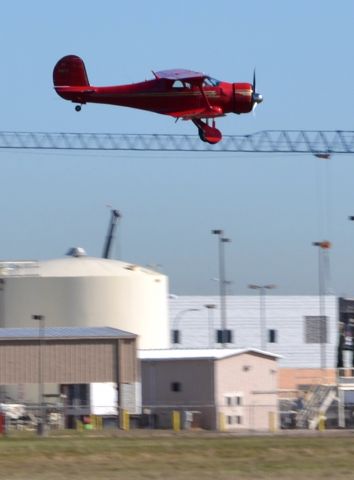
210	307
41	418
222	284
176	337
262	310
323	247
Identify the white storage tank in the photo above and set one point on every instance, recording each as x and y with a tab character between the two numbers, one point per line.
78	290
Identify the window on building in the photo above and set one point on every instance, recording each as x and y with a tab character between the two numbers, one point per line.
228	401
246	368
229	419
238	400
272	336
176	336
224	336
238	419
176	387
316	329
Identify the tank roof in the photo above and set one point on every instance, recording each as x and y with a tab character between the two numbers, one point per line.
82	266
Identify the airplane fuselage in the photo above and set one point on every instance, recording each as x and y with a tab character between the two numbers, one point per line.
162	97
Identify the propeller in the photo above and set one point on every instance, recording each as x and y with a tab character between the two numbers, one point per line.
256	97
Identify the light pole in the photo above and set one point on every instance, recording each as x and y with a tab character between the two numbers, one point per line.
176	337
262	310
323	247
351	218
210	307
222	284
41	326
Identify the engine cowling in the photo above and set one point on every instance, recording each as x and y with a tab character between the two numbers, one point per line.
243	97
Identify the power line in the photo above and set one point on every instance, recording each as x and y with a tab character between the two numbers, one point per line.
266	141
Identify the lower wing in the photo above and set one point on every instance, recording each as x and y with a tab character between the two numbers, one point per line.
189	114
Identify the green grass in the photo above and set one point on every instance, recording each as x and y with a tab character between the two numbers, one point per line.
137	456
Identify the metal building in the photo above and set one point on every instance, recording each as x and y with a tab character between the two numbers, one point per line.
285	323
64	356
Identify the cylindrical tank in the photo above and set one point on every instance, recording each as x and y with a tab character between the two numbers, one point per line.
78	290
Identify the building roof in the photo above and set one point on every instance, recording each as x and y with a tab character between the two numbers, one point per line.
51	333
200	353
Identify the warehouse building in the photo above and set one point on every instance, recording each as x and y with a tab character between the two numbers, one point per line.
67	363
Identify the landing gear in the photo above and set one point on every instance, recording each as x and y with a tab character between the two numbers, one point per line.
78	108
207	133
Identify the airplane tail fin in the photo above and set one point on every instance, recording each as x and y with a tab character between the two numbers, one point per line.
70	71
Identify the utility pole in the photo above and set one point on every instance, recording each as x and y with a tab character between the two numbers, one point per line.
222	285
262	311
41	344
210	307
323	248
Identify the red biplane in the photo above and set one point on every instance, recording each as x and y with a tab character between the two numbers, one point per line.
180	93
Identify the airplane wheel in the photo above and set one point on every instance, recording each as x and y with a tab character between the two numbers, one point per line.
202	137
78	108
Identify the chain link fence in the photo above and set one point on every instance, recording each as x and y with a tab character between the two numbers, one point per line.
245	418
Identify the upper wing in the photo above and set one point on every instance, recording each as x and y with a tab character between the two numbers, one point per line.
180	74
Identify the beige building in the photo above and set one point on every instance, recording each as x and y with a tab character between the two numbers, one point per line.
225	389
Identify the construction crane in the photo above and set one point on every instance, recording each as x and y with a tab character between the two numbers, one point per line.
115	216
317	142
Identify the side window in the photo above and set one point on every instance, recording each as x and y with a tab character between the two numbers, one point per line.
176	336
272	336
224	336
177	84
238	419
210	82
181	84
176	387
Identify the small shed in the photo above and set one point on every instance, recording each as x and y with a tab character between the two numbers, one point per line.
225	389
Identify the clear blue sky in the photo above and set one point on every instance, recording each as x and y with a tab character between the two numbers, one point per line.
272	206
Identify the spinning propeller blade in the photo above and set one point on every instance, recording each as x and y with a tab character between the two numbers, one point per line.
256	97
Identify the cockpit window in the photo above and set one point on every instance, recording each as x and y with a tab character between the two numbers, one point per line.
177	84
211	82
180	84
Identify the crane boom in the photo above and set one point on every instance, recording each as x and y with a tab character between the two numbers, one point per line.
267	141
115	216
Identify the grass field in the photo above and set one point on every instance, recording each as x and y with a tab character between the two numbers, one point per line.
137	456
